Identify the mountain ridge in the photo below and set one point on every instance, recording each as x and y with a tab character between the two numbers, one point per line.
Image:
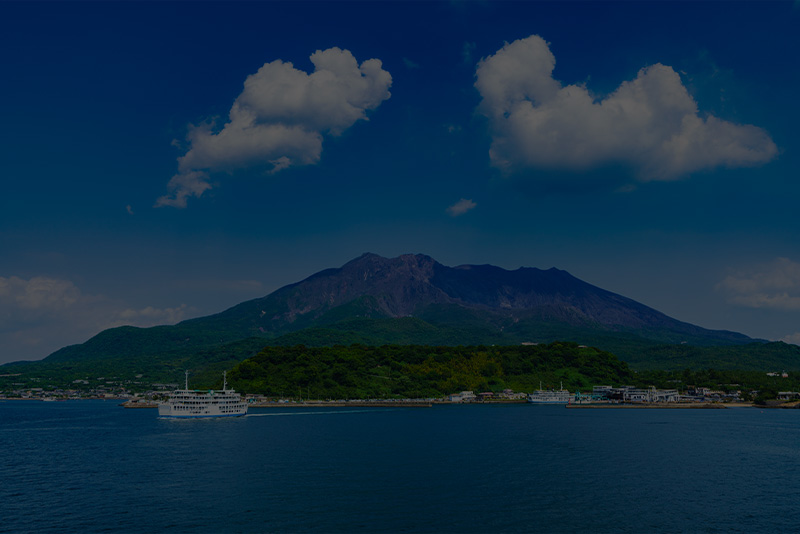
410	299
410	284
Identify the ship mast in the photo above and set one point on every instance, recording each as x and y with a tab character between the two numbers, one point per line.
224	380
186	386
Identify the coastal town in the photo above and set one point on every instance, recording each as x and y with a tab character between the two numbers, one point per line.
135	394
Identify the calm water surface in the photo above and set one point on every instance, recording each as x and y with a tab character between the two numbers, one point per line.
91	466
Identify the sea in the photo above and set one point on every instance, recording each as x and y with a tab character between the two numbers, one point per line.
93	466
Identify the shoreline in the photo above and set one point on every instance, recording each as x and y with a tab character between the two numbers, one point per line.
657	406
400	403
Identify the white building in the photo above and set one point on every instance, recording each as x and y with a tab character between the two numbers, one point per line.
650	395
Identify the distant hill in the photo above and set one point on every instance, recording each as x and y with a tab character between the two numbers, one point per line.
413	299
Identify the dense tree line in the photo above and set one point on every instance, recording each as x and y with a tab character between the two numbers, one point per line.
412	371
767	385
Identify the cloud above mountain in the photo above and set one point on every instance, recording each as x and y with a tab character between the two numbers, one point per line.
280	118
650	124
775	285
41	314
22	300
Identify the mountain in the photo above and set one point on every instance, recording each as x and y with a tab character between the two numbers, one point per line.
412	299
500	303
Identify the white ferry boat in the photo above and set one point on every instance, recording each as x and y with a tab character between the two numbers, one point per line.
186	403
552	396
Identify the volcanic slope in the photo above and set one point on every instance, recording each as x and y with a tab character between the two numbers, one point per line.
411	299
485	303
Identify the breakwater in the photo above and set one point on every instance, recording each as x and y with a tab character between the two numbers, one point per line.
139	404
653	406
349	404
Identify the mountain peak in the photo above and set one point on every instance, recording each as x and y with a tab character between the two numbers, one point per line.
370	258
374	267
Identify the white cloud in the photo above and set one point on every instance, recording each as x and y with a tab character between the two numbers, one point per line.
182	186
42	314
279	164
279	119
461	207
775	285
650	123
20	299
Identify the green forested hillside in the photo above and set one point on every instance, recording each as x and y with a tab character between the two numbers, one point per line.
776	356
205	364
639	352
369	369
414	371
401	371
160	354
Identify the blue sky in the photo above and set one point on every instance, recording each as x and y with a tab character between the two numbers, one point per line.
162	161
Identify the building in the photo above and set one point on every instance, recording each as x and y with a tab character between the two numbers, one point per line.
650	395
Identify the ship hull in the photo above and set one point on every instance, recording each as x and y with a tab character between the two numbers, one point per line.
550	397
200	416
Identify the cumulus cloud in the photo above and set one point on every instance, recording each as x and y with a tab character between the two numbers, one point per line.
41	314
461	207
21	300
775	285
183	186
650	123
279	119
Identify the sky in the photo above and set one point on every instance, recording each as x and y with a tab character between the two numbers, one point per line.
163	161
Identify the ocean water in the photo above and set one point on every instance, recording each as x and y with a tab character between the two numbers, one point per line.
92	466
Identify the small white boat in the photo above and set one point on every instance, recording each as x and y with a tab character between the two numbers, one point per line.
186	403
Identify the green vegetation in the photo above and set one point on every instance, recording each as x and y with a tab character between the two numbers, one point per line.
723	380
777	356
414	371
366	370
138	371
207	345
639	352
